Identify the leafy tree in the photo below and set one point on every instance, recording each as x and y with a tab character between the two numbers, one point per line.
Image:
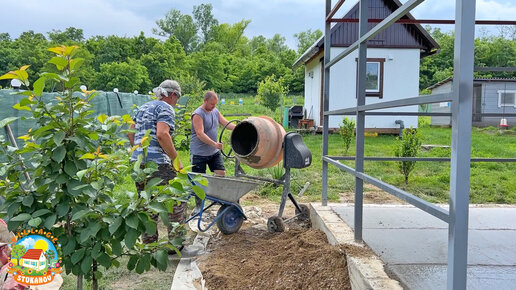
181	26
50	255
277	44
270	92
408	146
69	36
347	131
76	162
306	39
209	64
204	20
18	251
230	36
126	76
439	66
165	61
258	45
29	47
110	49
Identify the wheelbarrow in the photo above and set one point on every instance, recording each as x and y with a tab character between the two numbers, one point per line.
226	192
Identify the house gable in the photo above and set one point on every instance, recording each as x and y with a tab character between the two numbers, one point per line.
397	35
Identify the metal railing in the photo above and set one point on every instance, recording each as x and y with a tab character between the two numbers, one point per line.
461	115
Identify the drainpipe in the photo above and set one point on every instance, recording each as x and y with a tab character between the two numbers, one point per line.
402	126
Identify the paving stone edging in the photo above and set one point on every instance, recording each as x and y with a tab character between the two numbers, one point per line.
364	272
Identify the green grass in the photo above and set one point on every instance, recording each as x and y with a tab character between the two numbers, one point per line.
121	278
491	182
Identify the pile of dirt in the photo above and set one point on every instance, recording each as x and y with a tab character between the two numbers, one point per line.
253	258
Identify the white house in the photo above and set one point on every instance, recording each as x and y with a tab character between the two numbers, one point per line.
35	259
393	58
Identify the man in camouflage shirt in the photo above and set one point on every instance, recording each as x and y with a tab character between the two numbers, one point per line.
158	116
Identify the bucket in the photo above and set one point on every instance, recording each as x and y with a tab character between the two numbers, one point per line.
258	142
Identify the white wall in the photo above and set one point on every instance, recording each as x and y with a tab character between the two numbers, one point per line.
313	89
400	80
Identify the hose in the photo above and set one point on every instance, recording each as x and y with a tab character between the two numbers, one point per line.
220	139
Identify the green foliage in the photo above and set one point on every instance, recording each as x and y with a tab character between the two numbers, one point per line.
181	26
347	131
270	92
490	51
126	76
277	171
408	146
193	87
205	20
18	251
75	161
306	39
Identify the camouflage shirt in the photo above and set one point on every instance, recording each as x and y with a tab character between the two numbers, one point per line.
147	117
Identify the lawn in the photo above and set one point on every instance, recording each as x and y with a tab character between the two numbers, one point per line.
491	182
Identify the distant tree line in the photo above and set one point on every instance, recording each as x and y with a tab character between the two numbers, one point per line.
204	54
196	50
490	51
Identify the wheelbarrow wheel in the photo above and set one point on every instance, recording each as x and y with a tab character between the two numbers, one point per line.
275	224
231	221
304	214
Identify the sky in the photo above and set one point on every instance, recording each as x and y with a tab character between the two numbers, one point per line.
268	17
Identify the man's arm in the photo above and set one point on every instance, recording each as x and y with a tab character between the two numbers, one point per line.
131	135
165	141
223	122
199	131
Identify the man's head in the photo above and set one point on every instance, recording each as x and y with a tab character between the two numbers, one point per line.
169	91
210	101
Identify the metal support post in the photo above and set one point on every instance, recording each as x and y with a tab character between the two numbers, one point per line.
286	191
359	159
461	144
326	100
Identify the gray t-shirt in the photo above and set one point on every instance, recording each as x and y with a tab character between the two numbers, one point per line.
211	126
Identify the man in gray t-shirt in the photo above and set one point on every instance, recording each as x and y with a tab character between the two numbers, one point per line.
204	148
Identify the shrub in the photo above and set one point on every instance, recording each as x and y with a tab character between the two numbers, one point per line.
408	146
347	131
75	162
270	91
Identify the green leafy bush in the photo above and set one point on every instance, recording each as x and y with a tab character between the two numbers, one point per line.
347	131
270	91
408	146
74	162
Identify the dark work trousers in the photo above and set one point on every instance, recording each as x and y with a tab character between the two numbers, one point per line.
166	172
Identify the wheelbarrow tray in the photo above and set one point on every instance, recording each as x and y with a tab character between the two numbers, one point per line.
229	189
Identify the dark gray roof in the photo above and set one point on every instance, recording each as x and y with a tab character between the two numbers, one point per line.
476	80
398	35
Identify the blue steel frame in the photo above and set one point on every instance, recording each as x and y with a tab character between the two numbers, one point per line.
461	114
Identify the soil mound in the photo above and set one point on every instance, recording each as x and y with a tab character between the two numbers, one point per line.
253	258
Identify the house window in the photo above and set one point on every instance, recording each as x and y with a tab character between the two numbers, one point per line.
374	77
506	98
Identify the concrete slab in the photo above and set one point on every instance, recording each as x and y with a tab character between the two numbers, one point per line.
366	271
413	244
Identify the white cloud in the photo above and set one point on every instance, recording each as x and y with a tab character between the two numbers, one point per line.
28	243
128	17
94	17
